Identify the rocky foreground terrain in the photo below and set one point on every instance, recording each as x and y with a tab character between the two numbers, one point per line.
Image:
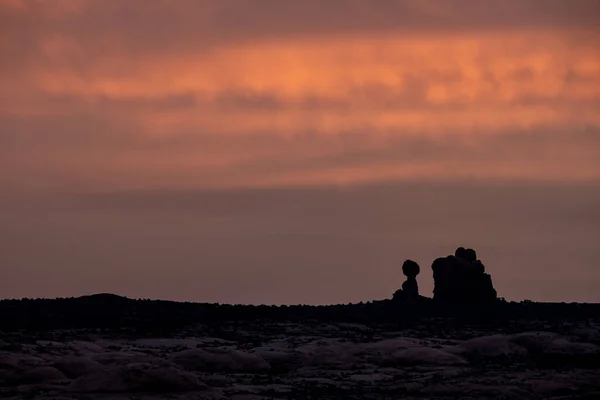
432	359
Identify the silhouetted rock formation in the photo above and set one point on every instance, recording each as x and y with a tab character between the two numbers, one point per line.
461	278
410	288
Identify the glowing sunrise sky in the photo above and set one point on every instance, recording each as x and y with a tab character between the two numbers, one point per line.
98	95
104	96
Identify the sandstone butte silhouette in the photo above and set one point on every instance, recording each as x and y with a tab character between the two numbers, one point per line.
458	279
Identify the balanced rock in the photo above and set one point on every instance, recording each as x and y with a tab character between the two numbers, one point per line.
410	288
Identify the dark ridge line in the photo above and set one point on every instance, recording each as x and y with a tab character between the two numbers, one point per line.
117	297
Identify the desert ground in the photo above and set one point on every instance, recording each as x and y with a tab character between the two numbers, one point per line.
260	358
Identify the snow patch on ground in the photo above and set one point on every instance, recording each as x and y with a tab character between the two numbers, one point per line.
324	361
214	359
138	377
42	374
74	367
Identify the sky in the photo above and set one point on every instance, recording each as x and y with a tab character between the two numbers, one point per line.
270	151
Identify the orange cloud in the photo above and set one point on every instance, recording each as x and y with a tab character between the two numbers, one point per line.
196	116
432	85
